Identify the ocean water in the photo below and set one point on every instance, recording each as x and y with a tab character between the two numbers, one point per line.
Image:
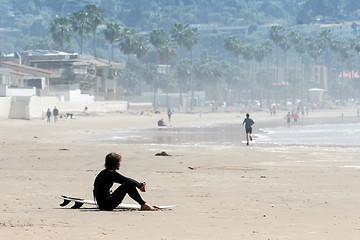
233	134
332	135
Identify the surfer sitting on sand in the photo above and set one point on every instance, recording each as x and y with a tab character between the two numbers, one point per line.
161	123
105	180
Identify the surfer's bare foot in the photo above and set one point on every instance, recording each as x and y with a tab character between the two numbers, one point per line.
147	207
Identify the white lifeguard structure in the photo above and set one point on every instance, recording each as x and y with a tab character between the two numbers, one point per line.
316	94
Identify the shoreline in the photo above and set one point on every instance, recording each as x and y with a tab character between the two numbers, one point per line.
206	134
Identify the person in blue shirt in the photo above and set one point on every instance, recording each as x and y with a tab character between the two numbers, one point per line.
248	129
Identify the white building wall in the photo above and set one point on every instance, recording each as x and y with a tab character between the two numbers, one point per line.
5	91
76	96
72	96
5	103
19	108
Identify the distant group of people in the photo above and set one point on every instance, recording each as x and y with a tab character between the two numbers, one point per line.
55	113
273	110
289	116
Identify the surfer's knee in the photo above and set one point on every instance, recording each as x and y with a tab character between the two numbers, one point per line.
128	187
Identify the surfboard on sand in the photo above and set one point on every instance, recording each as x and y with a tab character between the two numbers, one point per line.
78	202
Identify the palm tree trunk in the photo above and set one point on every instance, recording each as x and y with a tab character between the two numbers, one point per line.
268	83
167	98
285	82
261	86
181	91
81	43
94	43
302	79
112	51
140	60
252	82
179	81
277	75
191	83
155	90
294	78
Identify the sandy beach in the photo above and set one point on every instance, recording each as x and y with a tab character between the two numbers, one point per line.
221	192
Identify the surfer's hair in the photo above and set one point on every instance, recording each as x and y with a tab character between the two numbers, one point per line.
112	159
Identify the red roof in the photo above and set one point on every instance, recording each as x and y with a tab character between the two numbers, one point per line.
13	66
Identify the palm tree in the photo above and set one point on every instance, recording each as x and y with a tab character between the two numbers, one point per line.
342	49
315	48
177	33
300	49
141	47
326	39
150	76
157	37
128	79
112	33
128	41
140	50
248	55
277	34
285	46
357	45
182	72
234	45
79	24
165	49
209	72
356	48
95	17
191	37
60	30
294	39
166	53
262	51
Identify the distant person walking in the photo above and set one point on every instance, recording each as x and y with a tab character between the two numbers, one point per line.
55	113
48	115
274	110
248	127
288	118
169	113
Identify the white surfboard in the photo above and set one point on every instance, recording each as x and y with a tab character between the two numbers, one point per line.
79	202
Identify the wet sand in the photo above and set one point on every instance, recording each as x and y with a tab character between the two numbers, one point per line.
220	191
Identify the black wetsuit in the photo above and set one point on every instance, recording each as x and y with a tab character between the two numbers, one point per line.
104	181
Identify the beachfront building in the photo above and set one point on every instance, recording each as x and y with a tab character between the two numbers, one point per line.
22	77
88	75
